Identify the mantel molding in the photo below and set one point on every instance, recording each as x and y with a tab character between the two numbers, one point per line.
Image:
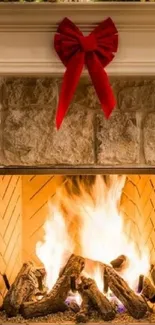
27	30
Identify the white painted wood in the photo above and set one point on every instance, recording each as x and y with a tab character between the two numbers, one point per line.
27	30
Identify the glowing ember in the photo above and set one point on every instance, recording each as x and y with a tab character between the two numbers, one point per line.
101	234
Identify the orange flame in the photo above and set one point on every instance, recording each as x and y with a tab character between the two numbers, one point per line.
102	235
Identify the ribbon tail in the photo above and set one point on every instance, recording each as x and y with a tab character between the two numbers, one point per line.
101	83
69	84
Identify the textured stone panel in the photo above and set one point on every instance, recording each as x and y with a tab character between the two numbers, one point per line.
85	95
149	139
30	136
1	124
137	97
21	92
117	139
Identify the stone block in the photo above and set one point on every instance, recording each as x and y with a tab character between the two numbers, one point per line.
1	124
149	139
22	92
137	97
31	138
118	139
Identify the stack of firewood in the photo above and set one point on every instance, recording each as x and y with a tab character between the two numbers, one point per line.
29	297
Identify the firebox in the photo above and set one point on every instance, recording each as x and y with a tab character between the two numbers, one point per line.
77	205
77	248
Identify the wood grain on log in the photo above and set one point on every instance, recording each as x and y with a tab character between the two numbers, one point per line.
24	285
135	304
148	290
40	275
98	300
86	306
82	315
55	300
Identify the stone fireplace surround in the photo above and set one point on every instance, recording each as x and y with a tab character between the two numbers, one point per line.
29	87
29	136
31	75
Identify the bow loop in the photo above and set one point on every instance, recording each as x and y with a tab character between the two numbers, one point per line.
95	51
68	28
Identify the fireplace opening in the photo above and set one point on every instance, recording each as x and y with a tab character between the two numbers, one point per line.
77	248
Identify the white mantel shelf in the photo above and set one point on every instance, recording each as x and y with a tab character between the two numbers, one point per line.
27	30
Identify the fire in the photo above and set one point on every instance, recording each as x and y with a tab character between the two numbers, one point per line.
101	234
53	252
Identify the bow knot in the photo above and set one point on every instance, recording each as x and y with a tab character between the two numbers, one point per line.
71	46
88	43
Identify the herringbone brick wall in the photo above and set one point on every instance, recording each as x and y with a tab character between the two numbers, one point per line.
36	192
138	208
10	228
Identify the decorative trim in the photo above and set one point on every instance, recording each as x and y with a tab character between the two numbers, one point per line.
76	170
26	32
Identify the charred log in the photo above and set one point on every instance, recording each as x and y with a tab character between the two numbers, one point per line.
1	302
120	263
43	307
105	281
148	289
135	304
73	283
152	273
6	281
24	285
86	306
55	300
40	275
140	283
73	306
82	316
99	301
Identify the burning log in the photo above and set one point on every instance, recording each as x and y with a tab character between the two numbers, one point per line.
88	288
135	304
140	283
120	263
73	283
24	285
55	300
152	273
148	289
1	302
6	281
40	275
105	281
82	316
86	306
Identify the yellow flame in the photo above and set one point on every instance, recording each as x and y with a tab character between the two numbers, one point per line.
102	235
56	248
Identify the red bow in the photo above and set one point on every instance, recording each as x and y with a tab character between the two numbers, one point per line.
95	51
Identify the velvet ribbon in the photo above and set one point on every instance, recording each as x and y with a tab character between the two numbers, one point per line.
94	51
